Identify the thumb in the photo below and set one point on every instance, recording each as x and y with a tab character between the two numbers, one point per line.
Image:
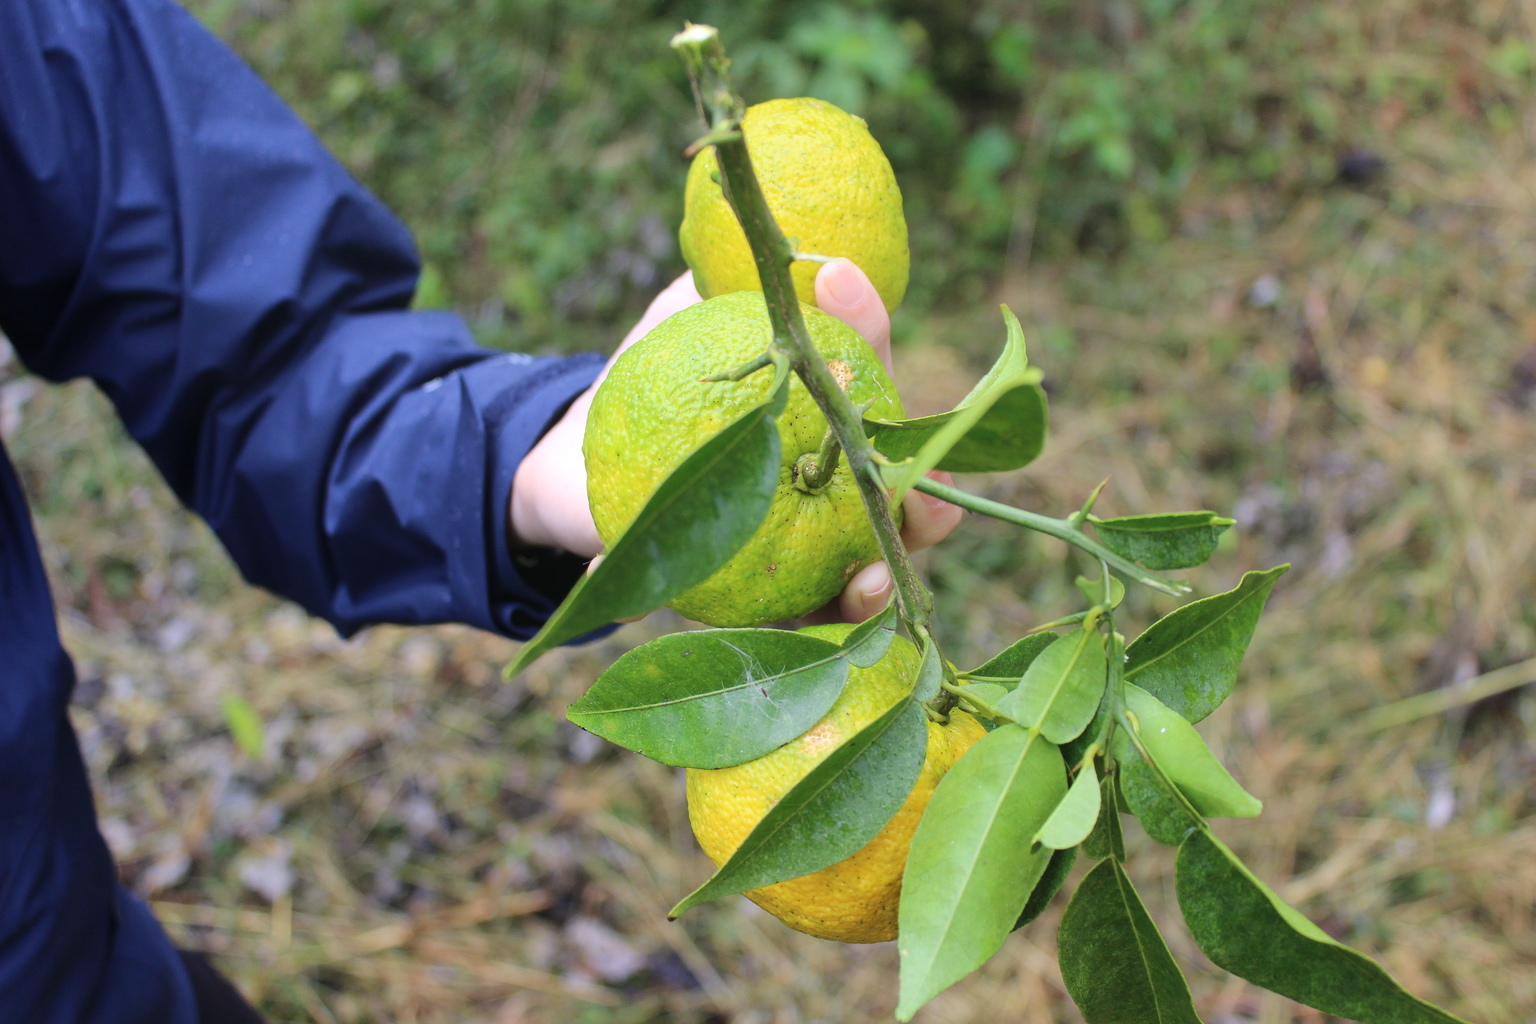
843	291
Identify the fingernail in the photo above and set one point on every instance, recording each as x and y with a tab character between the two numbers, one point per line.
843	282
931	501
877	596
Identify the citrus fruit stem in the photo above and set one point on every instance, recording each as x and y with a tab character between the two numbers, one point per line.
813	472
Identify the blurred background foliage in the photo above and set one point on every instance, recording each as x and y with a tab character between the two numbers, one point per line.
1277	259
534	146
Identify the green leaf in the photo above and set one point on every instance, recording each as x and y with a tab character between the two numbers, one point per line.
1093	590
1000	425
1114	963
970	869
833	812
1148	796
245	726
1183	756
1246	929
1012	663
1050	884
1073	818
1177	540
696	520
1076	750
1061	689
871	638
714	698
1188	659
1107	839
930	672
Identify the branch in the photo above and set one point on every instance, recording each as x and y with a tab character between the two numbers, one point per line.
1061	529
708	70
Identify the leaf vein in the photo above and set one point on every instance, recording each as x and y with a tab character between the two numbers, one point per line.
746	684
1003	791
1141	946
823	788
1191	638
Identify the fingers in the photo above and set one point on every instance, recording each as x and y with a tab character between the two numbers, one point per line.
867	593
843	291
926	519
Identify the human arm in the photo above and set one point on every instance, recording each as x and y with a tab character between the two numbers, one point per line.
171	230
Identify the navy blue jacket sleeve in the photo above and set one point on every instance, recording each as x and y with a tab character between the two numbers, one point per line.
171	230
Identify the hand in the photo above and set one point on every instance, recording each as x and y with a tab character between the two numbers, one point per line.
549	491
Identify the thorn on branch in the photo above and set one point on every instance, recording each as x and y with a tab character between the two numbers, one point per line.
728	131
1081	516
744	370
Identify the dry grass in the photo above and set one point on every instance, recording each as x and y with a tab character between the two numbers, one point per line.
419	841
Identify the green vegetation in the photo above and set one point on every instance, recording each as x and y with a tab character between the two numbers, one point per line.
534	147
1273	258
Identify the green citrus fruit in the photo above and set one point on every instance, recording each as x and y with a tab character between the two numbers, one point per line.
652	412
854	900
830	188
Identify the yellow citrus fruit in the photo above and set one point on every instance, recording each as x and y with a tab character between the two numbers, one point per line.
854	900
653	411
830	188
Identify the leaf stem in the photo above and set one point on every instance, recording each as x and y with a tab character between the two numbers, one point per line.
974	701
1086	761
1114	690
1061	529
708	71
